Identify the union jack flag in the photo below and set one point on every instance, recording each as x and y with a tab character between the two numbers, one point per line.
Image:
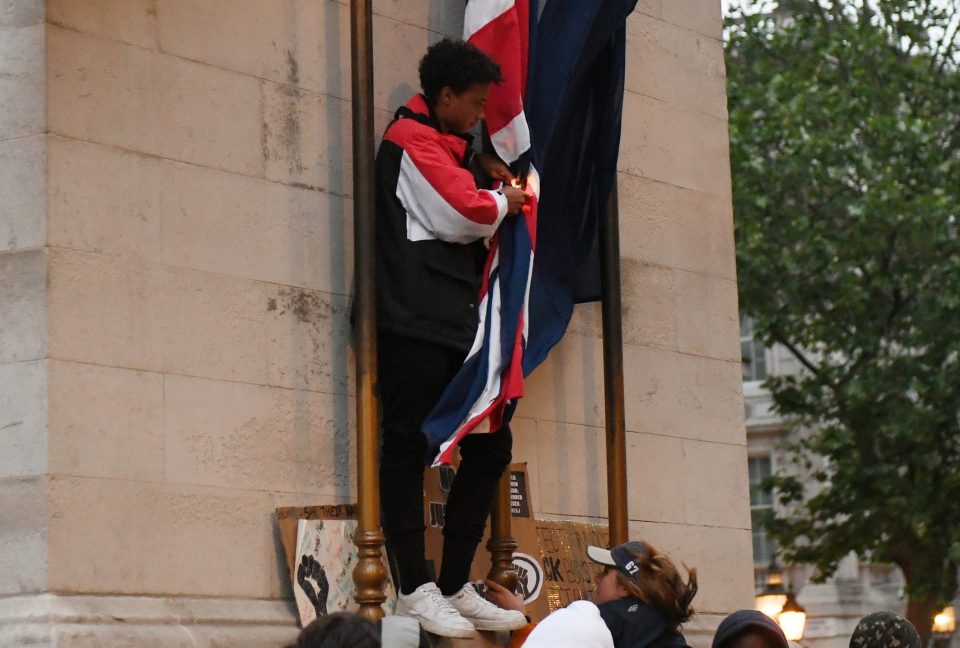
575	65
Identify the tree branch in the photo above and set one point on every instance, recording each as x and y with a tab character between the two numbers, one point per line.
779	338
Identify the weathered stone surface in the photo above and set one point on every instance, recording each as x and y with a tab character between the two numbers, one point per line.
107	200
104	310
155	538
568	386
307	44
652	8
676	65
23	186
97	621
23	535
105	422
237	226
676	146
262	438
708	324
23	305
671	226
442	17
307	138
308	340
526	449
567	450
399	47
303	43
20	13
649	295
117	94
213	325
130	21
23	419
656	490
721	466
22	78
698	15
685	396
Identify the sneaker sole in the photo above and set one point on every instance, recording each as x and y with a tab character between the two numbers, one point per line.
494	626
442	631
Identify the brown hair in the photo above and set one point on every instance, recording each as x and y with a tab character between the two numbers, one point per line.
659	585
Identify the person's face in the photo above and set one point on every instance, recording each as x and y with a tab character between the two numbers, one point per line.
608	588
458	113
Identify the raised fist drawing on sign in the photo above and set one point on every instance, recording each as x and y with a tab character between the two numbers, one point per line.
313	581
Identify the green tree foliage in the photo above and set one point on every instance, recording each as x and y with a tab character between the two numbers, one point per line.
845	152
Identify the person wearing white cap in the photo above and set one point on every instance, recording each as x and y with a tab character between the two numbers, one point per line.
578	625
640	596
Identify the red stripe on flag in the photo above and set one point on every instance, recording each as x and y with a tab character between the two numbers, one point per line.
500	40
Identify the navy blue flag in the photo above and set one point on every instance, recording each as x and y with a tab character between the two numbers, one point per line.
574	103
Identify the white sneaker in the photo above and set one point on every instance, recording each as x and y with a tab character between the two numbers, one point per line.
483	614
428	606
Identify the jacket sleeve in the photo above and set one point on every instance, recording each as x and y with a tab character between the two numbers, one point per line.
441	198
518	637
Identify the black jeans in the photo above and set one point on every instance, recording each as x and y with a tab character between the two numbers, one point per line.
413	374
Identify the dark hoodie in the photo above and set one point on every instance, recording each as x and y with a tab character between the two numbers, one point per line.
743	621
634	624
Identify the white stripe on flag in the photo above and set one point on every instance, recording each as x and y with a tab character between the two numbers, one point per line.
481	327
533	181
513	139
526	303
491	389
481	12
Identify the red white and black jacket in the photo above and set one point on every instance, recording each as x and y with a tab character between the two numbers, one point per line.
430	222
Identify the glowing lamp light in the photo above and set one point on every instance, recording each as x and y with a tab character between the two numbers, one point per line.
945	621
792	618
773	596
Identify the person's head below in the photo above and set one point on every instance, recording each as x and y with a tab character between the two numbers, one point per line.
339	630
639	570
455	78
749	629
884	630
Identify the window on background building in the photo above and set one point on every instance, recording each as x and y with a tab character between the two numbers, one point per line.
752	353
761	501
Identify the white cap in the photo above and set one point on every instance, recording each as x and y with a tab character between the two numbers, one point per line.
578	625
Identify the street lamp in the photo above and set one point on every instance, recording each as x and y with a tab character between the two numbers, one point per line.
773	596
792	618
945	622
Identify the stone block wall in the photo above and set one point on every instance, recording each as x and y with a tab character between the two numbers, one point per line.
175	272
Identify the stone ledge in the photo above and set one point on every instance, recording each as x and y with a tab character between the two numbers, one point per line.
107	621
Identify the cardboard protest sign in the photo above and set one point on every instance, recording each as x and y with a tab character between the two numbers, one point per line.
322	560
436	486
551	562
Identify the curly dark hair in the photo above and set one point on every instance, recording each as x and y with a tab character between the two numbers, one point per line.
456	64
339	630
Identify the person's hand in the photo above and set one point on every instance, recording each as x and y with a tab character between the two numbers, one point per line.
494	167
515	198
502	597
